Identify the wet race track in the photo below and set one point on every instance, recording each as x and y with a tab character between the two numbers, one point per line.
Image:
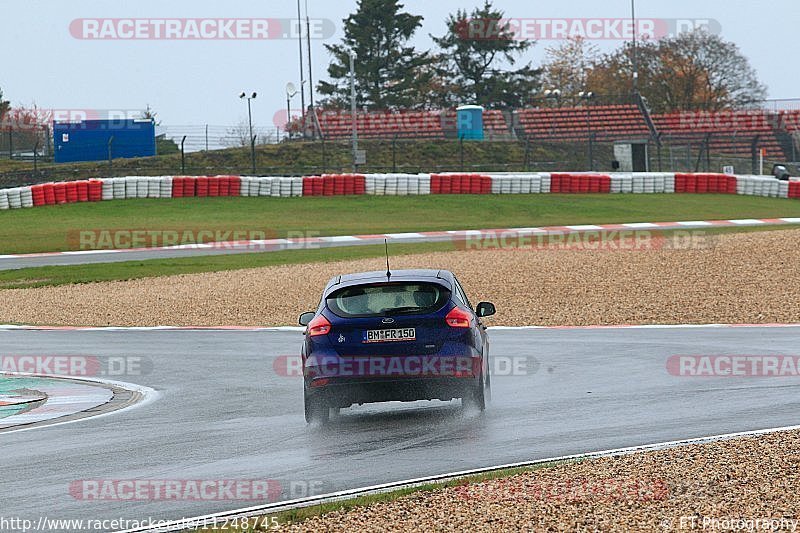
225	413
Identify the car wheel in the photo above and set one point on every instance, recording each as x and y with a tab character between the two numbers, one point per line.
475	398
316	410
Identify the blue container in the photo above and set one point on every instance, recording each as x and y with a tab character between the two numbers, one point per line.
88	140
469	122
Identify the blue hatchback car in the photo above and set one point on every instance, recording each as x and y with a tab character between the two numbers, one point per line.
405	335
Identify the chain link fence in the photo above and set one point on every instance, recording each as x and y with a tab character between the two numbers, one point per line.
305	158
534	139
26	143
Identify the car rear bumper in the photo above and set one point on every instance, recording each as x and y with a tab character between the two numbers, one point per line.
344	392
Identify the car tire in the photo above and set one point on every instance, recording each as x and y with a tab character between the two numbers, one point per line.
475	398
316	410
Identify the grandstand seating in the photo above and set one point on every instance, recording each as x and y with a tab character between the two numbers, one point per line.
790	120
731	132
575	123
494	122
416	124
409	124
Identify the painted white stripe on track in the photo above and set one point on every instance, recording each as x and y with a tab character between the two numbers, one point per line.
148	396
635	225
404	235
87	252
747	222
340	238
388	487
584	227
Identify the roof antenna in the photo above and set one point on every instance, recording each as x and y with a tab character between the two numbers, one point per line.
388	271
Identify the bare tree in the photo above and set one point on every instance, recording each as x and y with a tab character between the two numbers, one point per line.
239	135
567	67
693	71
703	71
149	113
5	105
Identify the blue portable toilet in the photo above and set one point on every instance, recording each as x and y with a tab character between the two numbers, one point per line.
469	122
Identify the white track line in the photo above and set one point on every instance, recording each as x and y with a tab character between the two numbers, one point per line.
425	236
388	487
747	222
700	223
148	396
588	227
62	398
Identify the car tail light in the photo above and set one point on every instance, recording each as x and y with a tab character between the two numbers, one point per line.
319	325
458	318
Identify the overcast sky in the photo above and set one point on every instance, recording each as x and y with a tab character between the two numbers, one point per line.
197	81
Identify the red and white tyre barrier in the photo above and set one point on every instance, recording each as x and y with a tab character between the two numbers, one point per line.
139	187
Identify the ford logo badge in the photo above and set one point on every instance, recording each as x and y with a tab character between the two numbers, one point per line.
388	320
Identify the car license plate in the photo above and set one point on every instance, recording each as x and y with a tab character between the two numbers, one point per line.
390	335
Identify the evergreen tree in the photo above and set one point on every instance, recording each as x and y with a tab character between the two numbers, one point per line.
475	44
389	73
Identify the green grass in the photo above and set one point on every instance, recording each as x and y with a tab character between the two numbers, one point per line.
72	274
57	228
299	515
64	275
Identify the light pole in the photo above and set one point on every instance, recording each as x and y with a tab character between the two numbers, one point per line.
635	51
587	96
555	96
249	111
291	90
308	49
353	107
302	74
250	123
312	112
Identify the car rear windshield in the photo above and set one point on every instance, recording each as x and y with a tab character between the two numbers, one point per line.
388	299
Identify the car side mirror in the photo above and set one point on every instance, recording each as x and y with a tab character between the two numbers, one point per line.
306	318
485	309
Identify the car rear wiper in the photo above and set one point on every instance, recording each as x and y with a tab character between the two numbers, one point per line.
400	310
